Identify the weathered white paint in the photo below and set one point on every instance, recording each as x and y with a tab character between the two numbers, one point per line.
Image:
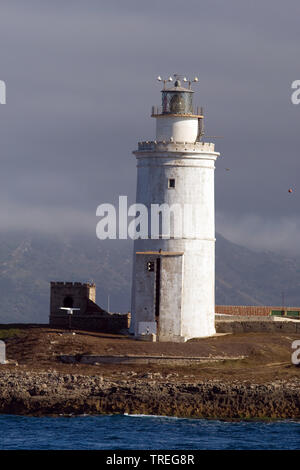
181	129
170	321
187	302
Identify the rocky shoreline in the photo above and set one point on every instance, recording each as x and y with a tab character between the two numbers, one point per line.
55	393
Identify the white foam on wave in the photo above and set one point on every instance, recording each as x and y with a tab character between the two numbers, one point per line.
150	416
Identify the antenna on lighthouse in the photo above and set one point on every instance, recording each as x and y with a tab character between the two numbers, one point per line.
169	79
195	80
184	79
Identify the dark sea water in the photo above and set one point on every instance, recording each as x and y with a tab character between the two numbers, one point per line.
143	433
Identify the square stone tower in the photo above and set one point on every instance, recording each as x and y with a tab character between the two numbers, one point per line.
90	316
71	294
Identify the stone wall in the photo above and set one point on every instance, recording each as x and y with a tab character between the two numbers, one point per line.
258	326
109	323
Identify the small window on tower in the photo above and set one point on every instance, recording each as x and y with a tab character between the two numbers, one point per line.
150	266
171	183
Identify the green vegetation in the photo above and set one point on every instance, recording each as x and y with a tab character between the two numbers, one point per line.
9	333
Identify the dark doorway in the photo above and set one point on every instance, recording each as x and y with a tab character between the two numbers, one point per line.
68	302
157	288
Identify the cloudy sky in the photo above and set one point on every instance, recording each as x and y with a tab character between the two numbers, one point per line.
80	79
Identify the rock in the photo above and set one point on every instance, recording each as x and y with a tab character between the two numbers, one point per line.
51	392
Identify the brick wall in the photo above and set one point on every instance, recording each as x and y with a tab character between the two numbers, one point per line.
250	309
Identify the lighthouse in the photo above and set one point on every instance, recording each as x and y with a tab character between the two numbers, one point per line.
173	283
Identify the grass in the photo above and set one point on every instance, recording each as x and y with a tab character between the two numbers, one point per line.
9	333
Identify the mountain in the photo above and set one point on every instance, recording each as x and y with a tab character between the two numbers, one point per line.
29	262
248	277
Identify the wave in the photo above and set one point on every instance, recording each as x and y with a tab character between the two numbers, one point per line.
150	416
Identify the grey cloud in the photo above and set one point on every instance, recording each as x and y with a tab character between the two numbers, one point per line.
262	233
81	81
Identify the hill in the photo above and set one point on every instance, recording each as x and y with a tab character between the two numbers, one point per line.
29	262
248	277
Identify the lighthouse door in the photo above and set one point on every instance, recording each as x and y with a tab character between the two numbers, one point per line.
170	296
157	290
158	294
146	299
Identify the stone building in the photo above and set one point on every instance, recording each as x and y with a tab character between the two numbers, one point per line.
90	316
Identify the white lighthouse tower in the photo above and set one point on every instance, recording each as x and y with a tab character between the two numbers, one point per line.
173	286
